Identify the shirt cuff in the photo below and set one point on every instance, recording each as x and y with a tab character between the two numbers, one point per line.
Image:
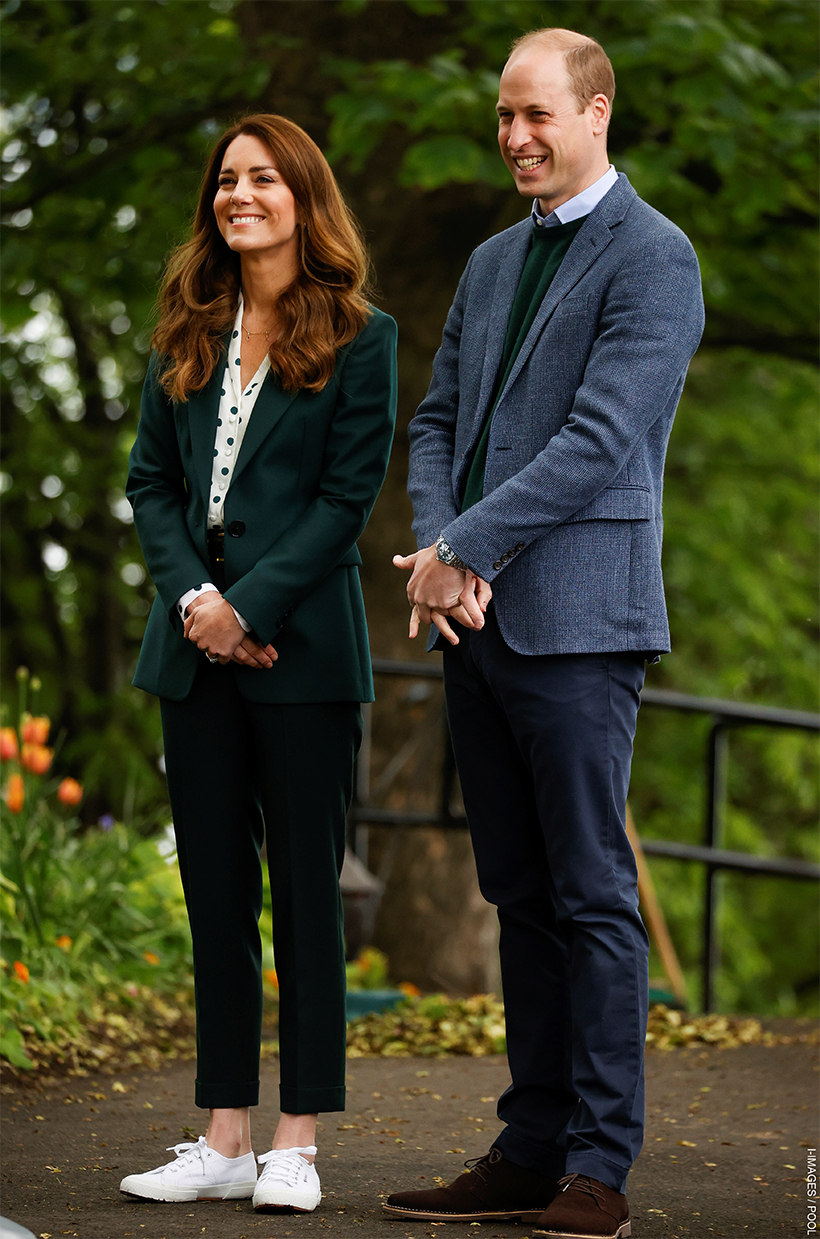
243	622
206	588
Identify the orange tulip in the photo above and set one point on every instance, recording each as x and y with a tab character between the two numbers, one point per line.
36	757
15	793
271	977
409	989
150	957
8	743
63	942
69	792
22	971
35	730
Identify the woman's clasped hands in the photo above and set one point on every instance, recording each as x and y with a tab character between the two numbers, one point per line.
212	625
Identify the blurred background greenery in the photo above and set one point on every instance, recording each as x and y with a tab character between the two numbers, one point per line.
109	109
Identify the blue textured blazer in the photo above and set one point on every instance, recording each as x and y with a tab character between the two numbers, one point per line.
569	527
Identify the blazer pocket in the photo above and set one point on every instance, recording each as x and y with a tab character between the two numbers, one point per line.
579	304
616	503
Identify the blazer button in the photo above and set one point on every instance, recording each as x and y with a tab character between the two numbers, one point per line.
498	565
236	529
520	546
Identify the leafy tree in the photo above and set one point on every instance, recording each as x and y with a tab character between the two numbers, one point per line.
104	148
110	106
714	122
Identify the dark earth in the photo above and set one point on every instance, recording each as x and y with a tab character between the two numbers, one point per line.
726	1152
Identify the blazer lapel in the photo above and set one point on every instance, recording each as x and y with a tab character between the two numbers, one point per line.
203	407
501	299
271	404
587	247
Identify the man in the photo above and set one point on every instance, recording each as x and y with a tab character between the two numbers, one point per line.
536	476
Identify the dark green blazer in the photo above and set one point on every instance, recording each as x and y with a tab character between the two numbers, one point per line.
307	476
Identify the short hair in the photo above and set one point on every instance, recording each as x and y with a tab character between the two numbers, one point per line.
589	69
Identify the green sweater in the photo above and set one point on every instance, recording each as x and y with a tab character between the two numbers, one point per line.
547	249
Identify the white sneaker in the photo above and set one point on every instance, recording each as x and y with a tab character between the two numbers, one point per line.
199	1173
287	1181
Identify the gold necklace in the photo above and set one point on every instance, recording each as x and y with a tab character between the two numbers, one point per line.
248	334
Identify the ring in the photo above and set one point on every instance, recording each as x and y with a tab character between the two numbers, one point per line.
212	658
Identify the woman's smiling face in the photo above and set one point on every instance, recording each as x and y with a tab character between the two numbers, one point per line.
254	208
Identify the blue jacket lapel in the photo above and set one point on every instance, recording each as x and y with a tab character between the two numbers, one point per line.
589	244
501	299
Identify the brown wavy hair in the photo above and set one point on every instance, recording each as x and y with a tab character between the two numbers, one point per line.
324	307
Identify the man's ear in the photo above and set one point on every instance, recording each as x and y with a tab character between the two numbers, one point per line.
601	111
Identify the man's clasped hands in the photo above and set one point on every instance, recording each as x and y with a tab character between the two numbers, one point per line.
438	593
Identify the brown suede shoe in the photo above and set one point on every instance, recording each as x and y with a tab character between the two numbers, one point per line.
583	1208
492	1188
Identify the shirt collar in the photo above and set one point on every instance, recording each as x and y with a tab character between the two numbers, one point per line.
577	207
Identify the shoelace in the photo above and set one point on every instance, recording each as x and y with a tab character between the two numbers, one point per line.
580	1183
480	1165
283	1165
188	1152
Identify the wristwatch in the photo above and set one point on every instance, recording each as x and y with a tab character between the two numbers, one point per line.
446	555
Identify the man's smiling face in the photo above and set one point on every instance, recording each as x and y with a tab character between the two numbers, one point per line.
552	149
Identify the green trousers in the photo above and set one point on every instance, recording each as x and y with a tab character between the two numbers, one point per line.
240	772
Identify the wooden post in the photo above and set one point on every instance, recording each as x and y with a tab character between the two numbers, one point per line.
655	920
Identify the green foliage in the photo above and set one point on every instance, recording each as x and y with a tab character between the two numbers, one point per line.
83	910
369	970
109	108
740	542
740	553
107	121
715	122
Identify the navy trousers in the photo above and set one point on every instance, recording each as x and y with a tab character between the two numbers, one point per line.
543	747
239	771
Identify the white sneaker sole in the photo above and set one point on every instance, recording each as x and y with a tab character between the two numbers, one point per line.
283	1198
133	1186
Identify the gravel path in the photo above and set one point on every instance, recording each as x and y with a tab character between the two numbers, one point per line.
726	1152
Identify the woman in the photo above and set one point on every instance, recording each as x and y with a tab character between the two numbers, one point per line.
264	435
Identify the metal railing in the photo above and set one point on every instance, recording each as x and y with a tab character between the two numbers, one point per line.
725	716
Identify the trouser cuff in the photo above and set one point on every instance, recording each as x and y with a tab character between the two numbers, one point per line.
310	1100
227	1096
597	1167
546	1161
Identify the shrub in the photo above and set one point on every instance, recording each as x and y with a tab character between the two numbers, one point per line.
88	912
